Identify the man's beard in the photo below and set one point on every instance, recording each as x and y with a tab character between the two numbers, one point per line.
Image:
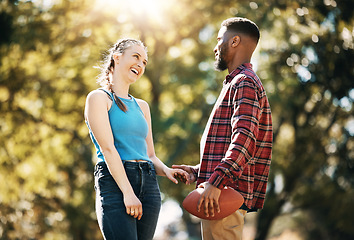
220	63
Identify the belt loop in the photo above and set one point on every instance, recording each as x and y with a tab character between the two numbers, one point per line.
151	167
97	166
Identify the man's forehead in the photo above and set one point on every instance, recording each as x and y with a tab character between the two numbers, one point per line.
222	31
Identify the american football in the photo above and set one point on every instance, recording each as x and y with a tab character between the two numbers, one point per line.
230	200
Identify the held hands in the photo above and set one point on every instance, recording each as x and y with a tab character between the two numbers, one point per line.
190	176
174	174
210	197
133	206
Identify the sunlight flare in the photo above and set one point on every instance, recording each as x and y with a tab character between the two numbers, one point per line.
149	9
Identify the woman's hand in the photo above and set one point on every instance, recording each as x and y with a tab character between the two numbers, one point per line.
133	206
174	174
191	178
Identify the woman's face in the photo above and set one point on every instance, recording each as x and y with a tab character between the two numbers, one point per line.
131	64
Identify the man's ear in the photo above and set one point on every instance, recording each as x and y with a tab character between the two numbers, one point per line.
235	41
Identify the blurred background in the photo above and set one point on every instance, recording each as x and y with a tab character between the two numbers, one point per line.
48	53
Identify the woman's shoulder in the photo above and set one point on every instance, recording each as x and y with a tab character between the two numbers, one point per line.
98	93
143	105
97	96
96	101
141	101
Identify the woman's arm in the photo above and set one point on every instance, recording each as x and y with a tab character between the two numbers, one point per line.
96	114
160	167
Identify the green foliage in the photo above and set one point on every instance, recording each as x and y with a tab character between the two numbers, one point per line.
311	95
47	53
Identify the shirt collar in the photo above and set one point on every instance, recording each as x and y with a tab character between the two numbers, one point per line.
231	76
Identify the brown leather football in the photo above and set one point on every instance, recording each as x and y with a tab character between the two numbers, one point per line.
229	201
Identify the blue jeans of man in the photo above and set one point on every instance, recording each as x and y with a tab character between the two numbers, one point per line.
112	218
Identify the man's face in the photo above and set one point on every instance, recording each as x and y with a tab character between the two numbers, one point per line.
221	50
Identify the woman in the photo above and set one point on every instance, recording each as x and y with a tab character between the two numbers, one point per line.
127	194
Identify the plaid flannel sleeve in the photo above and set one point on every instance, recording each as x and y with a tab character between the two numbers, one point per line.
244	127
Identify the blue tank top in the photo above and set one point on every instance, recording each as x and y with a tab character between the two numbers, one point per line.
129	131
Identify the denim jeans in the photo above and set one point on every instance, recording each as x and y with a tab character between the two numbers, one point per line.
112	218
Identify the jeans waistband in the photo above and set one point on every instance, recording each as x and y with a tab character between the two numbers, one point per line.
147	165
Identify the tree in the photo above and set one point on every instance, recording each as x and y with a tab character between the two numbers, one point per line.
311	97
45	157
48	50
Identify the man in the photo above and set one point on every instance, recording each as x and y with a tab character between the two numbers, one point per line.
236	144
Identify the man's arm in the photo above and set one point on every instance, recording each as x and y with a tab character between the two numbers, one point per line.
244	125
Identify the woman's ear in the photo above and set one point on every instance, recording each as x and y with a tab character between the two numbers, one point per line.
116	57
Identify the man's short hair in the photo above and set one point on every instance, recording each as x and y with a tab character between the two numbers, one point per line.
242	25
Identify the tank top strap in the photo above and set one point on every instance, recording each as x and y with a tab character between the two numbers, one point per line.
137	104
108	93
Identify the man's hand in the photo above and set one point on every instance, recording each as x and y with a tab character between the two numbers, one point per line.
188	169
210	197
174	173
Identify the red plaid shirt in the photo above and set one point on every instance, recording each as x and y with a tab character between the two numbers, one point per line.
236	146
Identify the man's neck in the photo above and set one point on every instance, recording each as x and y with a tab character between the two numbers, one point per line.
235	65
